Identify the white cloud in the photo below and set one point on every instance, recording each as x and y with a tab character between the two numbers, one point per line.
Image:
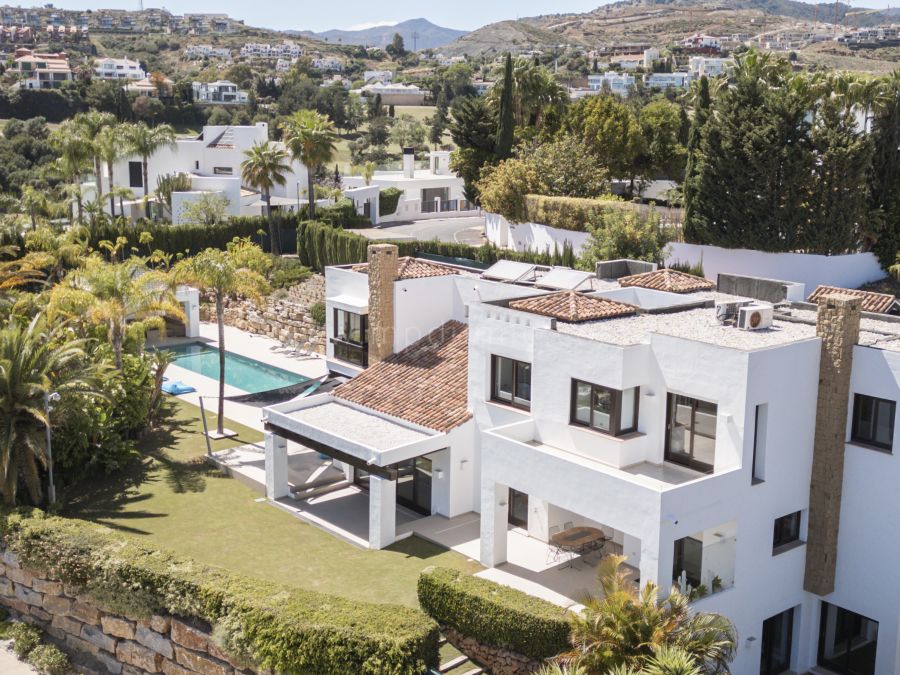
372	24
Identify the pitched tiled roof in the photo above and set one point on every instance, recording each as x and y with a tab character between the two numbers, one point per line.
669	280
871	301
414	268
426	383
572	307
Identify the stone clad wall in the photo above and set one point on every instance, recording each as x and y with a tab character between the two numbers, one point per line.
286	318
498	661
100	642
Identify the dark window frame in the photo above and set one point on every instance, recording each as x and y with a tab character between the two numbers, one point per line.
688	461
347	349
135	175
855	432
223	170
615	415
786	532
515	370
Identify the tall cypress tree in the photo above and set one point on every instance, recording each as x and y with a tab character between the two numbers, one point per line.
506	127
701	113
885	181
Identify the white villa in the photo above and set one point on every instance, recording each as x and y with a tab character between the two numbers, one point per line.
734	439
393	93
41	71
220	91
212	160
618	83
667	80
192	52
118	69
711	67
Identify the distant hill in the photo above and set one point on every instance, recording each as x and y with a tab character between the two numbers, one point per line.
416	33
658	21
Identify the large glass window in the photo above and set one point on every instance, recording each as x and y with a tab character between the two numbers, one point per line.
350	337
511	381
786	531
135	175
847	641
608	410
691	432
873	421
777	634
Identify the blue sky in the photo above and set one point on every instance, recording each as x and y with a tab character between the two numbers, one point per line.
312	15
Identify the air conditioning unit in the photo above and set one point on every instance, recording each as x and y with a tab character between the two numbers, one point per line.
755	317
727	312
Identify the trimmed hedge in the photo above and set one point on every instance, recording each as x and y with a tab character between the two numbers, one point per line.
494	614
388	200
568	213
320	245
284	629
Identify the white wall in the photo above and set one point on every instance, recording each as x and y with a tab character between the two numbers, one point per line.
846	271
530	236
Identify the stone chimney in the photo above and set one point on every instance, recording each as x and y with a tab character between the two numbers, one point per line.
384	266
409	162
838	326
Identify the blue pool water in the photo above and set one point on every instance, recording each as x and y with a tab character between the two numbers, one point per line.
242	372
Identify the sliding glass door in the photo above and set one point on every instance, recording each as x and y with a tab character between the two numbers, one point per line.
691	432
847	641
777	638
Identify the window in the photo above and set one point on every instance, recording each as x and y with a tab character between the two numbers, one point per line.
759	443
873	421
787	532
511	381
691	433
777	639
135	175
351	337
847	641
687	564
607	410
223	170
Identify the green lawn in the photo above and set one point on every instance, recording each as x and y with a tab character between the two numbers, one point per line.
173	499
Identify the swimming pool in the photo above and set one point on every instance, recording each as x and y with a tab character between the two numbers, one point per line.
241	372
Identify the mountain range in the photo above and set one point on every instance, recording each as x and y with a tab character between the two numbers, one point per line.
417	34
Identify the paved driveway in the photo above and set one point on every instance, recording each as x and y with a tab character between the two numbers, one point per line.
468	230
9	664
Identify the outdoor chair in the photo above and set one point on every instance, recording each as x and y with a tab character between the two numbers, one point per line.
555	552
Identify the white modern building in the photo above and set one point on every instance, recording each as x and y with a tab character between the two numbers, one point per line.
262	50
710	67
194	52
384	76
220	91
736	441
667	80
212	160
328	63
118	69
618	83
395	93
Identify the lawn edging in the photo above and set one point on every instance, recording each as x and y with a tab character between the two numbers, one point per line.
506	629
112	600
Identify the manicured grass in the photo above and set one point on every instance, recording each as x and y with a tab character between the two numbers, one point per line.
173	499
420	112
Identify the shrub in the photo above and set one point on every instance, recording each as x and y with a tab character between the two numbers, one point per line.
317	312
690	268
50	660
388	200
277	627
288	272
494	614
624	234
25	638
570	213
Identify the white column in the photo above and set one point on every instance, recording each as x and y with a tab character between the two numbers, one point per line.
276	467
382	512
494	517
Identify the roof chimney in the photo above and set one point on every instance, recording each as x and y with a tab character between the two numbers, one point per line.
384	267
837	324
409	162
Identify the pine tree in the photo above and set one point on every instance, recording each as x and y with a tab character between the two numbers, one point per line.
506	125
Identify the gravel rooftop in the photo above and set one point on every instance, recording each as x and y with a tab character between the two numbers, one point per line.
357	426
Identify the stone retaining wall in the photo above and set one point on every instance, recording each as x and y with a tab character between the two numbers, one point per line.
284	317
100	642
498	661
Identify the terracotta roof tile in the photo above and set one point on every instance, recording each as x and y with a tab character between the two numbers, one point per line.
572	307
414	268
426	383
669	280
871	301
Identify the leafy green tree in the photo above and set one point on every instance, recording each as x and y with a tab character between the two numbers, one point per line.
221	274
210	209
567	169
265	167
474	131
311	139
701	103
609	130
438	122
503	188
407	131
624	233
664	154
396	50
506	114
144	141
36	360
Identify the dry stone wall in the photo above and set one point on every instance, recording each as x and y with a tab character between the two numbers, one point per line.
101	642
498	661
281	316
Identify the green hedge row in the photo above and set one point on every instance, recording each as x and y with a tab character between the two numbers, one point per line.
320	245
493	614
568	213
388	200
284	629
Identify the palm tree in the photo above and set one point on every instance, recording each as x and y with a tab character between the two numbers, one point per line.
34	202
144	141
222	274
74	155
108	149
264	168
311	139
35	361
121	293
92	123
631	629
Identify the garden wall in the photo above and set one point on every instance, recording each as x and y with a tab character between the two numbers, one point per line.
846	271
284	317
530	237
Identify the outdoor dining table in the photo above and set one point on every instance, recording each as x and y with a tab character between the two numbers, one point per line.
578	539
